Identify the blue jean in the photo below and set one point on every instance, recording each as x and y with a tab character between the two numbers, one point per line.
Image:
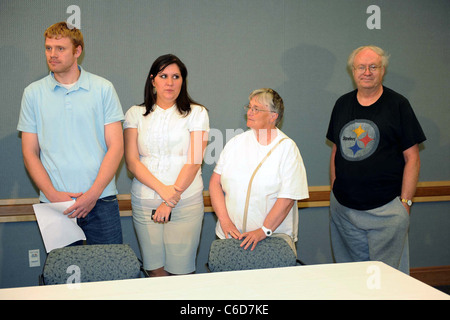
102	225
379	234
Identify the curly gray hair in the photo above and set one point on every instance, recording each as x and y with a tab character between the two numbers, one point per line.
271	99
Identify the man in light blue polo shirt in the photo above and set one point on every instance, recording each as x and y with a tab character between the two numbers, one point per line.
72	140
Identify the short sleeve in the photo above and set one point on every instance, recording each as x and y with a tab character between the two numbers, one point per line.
294	183
27	117
132	117
112	106
198	119
412	132
227	150
330	133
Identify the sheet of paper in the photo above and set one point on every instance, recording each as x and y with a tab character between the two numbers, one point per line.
57	229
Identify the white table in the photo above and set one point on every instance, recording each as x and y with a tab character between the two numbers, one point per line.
360	281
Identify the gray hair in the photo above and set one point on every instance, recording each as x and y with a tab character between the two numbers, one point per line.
271	99
384	56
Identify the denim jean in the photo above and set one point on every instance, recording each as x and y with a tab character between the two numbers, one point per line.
380	234
102	225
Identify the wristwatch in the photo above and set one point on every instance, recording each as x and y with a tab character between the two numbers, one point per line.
407	201
268	232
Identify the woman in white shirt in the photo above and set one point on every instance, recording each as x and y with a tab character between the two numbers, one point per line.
280	181
165	140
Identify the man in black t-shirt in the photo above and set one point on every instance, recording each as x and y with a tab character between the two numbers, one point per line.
374	166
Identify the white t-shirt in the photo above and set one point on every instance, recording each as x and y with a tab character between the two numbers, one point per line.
163	143
282	175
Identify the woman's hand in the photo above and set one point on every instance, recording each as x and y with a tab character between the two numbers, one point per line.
252	238
162	213
229	229
275	217
170	194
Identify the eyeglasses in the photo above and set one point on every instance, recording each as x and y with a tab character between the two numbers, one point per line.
372	68
255	110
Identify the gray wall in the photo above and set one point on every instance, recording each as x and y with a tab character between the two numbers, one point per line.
297	47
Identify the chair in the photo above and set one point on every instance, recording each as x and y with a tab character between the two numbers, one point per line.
227	255
87	263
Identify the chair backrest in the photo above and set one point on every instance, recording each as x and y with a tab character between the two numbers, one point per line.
87	263
228	255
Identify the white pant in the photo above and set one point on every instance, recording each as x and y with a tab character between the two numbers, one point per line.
172	245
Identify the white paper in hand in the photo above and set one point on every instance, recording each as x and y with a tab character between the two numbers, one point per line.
57	229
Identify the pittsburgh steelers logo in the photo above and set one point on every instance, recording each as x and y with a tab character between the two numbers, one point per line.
359	139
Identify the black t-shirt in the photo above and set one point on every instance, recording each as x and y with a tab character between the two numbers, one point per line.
370	142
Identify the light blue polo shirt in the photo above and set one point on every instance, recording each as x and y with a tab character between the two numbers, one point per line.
70	125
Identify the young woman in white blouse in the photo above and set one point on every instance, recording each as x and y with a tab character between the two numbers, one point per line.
165	140
276	187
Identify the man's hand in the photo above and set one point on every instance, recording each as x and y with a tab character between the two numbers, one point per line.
84	203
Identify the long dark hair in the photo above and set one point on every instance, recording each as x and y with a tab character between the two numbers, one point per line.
183	100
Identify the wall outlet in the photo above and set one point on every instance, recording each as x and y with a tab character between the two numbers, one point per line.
34	258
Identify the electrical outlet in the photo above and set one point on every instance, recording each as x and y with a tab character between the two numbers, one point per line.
34	258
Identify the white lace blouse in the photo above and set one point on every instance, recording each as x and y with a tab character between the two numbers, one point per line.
163	143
